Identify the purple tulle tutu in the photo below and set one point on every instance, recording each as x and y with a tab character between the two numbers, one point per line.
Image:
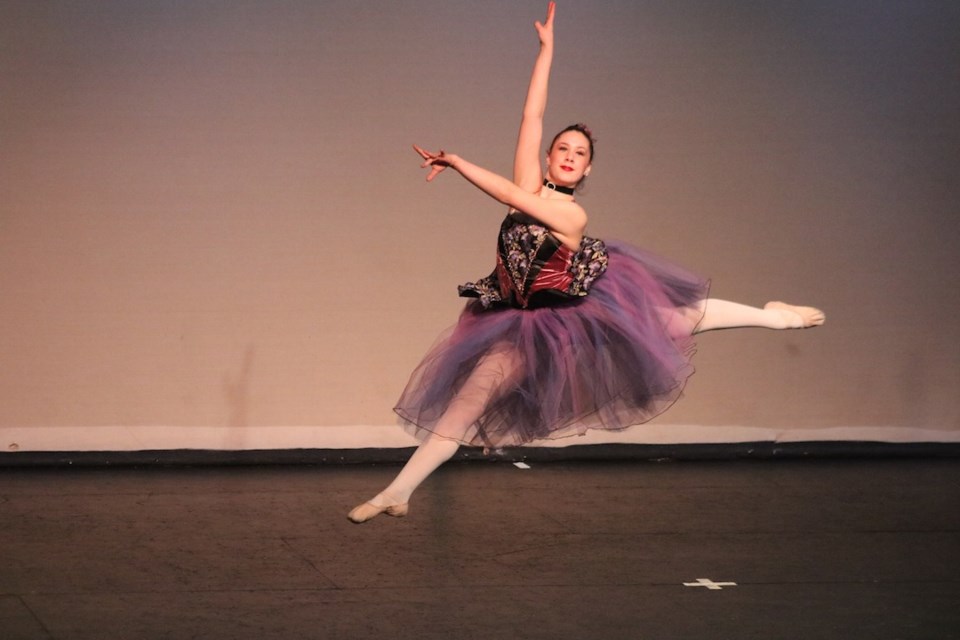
615	358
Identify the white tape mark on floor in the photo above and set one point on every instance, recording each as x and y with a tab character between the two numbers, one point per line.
709	584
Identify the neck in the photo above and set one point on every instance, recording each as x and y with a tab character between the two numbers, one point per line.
559	189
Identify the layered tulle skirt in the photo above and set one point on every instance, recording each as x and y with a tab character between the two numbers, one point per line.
616	358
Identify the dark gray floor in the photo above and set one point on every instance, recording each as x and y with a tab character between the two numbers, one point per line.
818	549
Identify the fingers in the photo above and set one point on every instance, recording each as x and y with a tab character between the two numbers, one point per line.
426	155
434	161
546	25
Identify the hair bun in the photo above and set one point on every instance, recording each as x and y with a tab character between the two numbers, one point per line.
585	130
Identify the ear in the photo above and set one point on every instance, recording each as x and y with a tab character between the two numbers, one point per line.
586	171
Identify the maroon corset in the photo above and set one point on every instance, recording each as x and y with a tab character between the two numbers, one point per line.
534	269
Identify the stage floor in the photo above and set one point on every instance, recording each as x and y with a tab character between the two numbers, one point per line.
842	548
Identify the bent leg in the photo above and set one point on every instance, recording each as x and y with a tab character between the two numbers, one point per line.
722	314
431	453
468	405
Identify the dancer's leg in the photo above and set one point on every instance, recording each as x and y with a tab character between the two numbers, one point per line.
439	446
431	453
722	314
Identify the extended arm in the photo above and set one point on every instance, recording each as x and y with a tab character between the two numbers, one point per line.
565	218
526	162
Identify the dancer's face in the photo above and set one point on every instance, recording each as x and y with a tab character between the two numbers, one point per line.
568	162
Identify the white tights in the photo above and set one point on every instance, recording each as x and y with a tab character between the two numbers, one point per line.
469	404
722	314
431	453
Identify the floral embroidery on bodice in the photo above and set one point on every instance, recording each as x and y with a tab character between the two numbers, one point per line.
535	269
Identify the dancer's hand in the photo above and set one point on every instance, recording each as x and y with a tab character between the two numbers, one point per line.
436	161
545	30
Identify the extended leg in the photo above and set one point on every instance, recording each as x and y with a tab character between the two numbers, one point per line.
440	445
722	314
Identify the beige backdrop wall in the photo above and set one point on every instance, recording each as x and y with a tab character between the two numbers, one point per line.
214	233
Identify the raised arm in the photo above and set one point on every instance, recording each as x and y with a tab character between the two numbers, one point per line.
526	163
565	218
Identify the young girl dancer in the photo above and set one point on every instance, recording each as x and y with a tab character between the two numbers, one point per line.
568	333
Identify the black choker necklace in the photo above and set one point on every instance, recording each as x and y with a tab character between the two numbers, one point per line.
558	188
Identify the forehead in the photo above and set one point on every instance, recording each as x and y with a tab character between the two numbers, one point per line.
574	138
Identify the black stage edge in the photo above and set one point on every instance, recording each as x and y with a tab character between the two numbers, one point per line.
650	452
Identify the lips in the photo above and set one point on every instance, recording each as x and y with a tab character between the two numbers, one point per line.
566	168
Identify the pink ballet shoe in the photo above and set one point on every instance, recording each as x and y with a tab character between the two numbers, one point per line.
368	511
